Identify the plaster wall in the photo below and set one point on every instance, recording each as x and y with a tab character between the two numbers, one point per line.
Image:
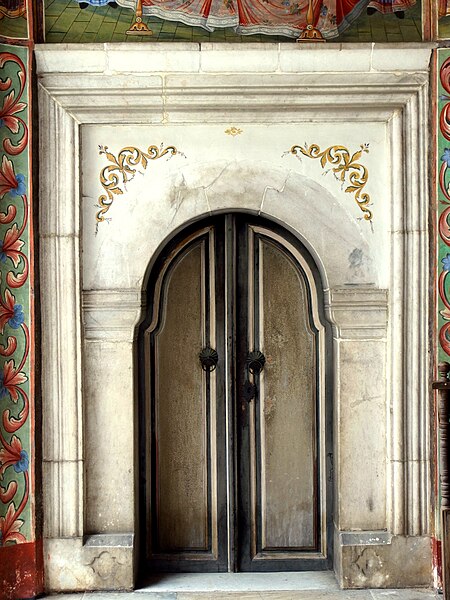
229	120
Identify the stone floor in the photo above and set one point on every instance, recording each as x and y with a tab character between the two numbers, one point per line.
66	22
250	586
299	595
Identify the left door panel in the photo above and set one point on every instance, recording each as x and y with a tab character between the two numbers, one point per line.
185	491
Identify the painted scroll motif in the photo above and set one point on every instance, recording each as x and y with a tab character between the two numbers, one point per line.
15	338
346	166
122	169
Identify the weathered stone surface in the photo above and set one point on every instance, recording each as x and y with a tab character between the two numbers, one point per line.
406	562
74	566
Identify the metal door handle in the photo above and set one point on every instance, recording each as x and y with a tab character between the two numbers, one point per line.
208	359
255	362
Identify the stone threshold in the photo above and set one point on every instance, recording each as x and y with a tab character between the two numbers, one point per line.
317	594
240	582
319	585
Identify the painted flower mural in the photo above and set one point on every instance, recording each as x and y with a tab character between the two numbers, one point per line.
10	526
13	455
12	105
9	182
15	479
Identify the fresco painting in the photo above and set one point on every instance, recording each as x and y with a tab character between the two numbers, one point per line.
443	192
13	19
233	20
15	429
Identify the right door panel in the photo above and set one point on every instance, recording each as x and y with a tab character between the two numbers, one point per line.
282	524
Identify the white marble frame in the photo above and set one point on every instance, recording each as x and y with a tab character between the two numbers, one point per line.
93	84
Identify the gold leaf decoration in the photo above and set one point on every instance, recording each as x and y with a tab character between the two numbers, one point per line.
123	169
234	131
346	167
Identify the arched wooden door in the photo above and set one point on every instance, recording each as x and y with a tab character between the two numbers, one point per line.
234	421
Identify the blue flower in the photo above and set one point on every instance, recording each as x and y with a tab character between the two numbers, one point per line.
446	156
2	254
16	321
21	186
323	10
3	390
446	262
22	464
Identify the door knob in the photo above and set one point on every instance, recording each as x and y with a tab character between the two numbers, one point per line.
255	362
208	359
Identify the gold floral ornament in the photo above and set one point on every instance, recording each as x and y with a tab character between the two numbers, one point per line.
123	169
345	165
234	131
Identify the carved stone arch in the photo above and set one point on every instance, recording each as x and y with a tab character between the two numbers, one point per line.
286	197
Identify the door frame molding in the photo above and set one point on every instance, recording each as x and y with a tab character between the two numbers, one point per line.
186	84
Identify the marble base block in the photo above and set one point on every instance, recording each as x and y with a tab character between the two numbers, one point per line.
389	562
102	562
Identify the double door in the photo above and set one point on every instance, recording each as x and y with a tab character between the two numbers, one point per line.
233	404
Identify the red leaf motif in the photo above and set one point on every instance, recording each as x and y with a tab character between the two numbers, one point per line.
444	121
5	84
8	179
445	75
6	309
10	454
10	526
12	245
9	216
10	347
8	493
11	380
16	281
12	105
12	123
444	338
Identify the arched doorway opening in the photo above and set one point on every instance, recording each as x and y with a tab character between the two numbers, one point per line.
235	412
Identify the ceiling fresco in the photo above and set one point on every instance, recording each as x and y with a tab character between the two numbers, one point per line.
232	20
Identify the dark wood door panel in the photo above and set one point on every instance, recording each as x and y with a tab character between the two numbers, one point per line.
233	463
185	496
281	454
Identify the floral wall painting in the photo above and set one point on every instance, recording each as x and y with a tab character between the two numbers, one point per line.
16	443
443	196
232	20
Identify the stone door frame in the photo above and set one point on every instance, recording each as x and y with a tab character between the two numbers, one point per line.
185	83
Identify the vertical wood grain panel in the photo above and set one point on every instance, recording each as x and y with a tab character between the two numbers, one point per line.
287	405
181	412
